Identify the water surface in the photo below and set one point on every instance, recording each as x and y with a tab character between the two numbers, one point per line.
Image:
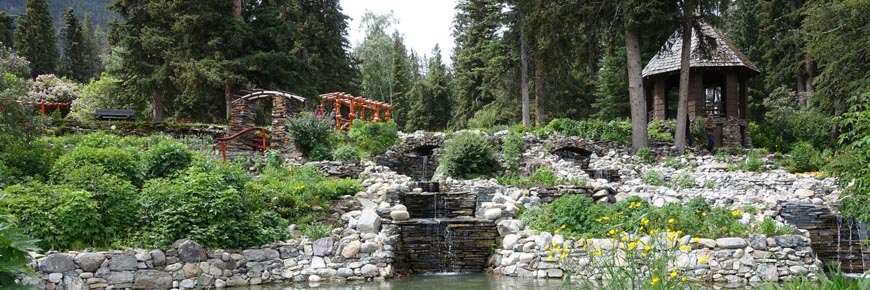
472	281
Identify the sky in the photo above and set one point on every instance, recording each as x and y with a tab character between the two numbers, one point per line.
422	22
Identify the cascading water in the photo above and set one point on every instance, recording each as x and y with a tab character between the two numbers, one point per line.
835	240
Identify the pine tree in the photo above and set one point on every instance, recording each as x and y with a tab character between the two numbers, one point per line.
92	34
402	76
75	60
35	40
7	29
478	59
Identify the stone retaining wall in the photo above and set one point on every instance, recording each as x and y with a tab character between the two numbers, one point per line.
363	251
451	245
728	260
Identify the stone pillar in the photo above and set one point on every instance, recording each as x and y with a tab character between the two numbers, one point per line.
659	109
279	119
731	88
241	118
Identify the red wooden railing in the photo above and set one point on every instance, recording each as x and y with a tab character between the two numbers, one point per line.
259	143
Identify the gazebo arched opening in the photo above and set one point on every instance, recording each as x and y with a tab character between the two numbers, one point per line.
241	136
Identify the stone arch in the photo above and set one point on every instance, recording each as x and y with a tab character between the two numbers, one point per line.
283	105
415	156
574	154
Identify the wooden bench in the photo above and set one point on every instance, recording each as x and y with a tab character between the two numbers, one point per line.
112	114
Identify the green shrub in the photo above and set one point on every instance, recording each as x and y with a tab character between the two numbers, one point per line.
374	137
804	158
293	194
61	218
770	228
166	158
316	230
31	162
661	130
206	203
684	181
513	148
653	178
346	153
645	155
468	155
116	198
617	131
15	259
674	162
545	176
752	163
121	162
311	135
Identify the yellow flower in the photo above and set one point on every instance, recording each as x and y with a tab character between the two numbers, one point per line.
563	256
562	227
556	231
598	220
736	212
550	257
624	238
674	274
684	248
632	245
702	260
612	231
606	218
671	220
676	268
547	246
696	240
640	228
643	254
653	231
553	242
654	281
703	214
671	235
683	279
646	248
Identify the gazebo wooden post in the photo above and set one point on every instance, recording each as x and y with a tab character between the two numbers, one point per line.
352	114
337	107
42	109
388	114
377	117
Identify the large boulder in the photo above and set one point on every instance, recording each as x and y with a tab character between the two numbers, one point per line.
123	263
790	241
56	263
369	271
190	252
323	246
731	243
152	279
369	222
90	262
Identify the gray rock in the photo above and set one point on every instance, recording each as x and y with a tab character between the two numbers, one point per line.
55	277
344	272
314	278
758	242
90	262
492	214
190	252
506	227
158	257
57	263
800	270
369	222
323	246
72	281
369	271
400	215
509	241
767	272
351	249
123	263
317	263
368	247
187	283
219	283
731	243
121	277
254	255
790	241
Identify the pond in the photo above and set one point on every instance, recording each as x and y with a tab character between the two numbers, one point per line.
470	281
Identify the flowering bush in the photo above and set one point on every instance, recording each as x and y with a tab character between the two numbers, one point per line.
49	88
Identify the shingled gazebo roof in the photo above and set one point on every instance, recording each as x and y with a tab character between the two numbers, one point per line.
721	54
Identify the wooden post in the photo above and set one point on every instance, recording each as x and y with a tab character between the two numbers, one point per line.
42	109
223	151
377	117
337	108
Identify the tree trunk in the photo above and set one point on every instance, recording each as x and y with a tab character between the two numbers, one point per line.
524	69
157	106
237	10
539	88
810	66
635	92
685	61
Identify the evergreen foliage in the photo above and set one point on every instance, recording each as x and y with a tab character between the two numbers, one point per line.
73	63
34	39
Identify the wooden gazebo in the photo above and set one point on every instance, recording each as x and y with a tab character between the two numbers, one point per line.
717	84
357	107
